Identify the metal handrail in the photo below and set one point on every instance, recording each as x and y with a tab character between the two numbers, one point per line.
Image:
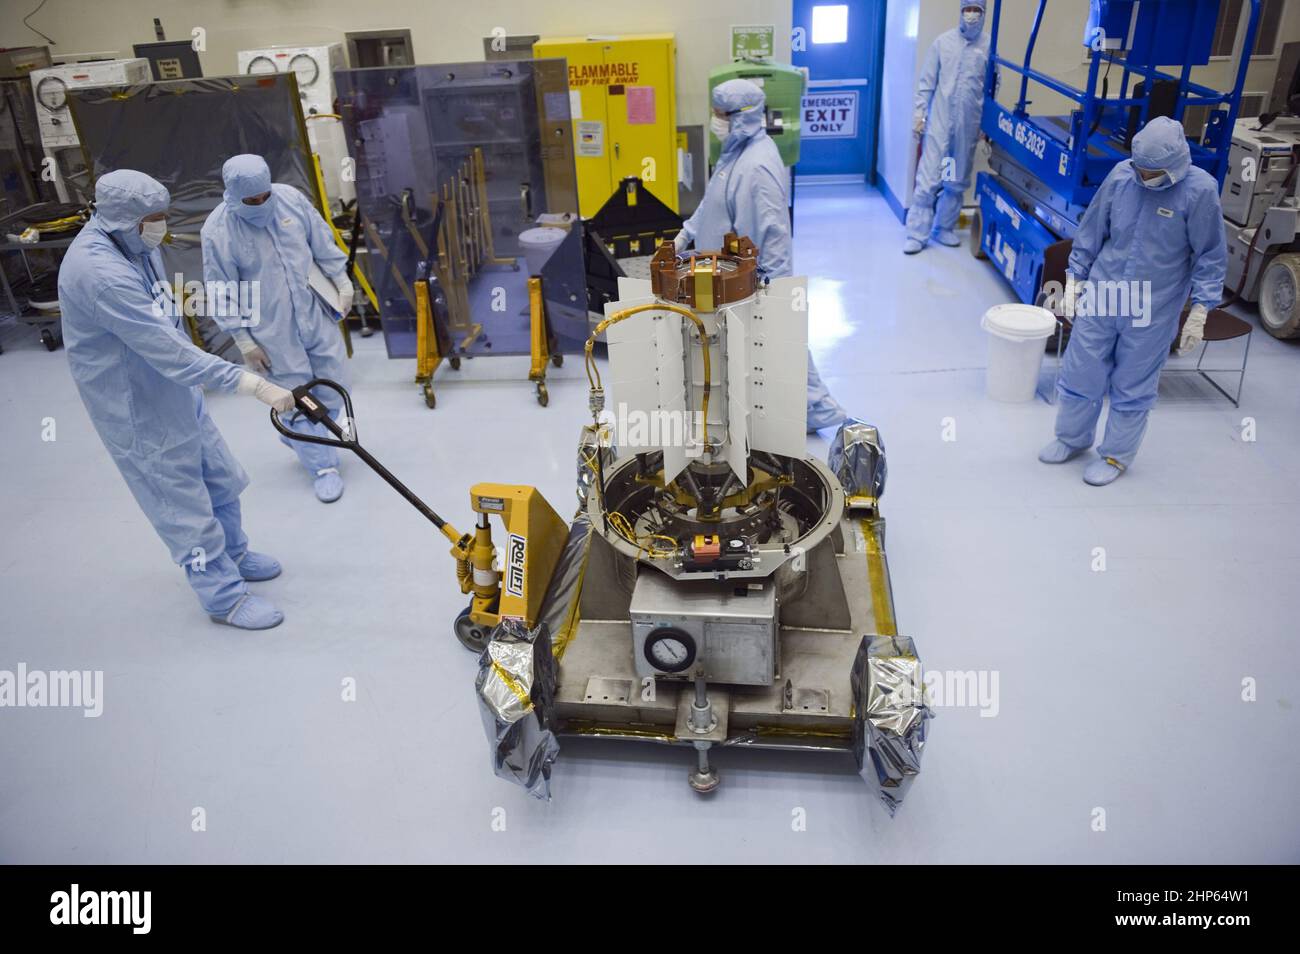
1189	93
1149	72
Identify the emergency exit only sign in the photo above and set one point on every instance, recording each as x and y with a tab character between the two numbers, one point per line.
830	115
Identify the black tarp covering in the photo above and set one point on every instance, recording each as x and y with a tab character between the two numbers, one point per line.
180	132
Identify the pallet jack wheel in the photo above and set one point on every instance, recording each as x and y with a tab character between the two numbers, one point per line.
557	360
543	396
454	361
430	399
471	635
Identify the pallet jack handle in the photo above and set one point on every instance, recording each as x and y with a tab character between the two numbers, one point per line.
312	408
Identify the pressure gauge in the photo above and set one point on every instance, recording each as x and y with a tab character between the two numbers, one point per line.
305	68
669	649
260	66
52	93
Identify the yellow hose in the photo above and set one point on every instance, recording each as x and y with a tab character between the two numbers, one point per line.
593	373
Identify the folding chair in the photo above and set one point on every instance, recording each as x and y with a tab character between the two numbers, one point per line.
1219	326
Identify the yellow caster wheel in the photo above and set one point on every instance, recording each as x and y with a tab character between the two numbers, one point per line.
543	396
430	400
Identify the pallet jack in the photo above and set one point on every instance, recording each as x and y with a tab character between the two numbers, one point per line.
535	534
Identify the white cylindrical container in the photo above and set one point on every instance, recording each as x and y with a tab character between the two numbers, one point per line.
1017	338
538	244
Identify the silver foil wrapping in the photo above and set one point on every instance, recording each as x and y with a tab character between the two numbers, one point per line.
561	600
857	457
890	715
516	693
595	446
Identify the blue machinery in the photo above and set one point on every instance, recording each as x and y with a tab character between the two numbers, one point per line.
1047	168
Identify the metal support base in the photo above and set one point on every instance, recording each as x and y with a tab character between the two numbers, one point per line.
705	778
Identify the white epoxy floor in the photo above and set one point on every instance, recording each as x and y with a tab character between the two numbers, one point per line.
1119	691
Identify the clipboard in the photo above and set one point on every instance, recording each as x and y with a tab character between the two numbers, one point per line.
324	290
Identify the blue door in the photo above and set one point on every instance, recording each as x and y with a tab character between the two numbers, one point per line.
840	46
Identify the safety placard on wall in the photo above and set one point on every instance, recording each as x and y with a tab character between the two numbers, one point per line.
590	138
749	41
830	115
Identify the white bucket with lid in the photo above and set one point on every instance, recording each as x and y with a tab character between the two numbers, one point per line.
1017	339
538	245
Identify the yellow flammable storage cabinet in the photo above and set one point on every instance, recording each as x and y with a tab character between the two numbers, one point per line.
623	103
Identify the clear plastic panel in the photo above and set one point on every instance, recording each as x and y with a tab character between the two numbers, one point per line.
454	163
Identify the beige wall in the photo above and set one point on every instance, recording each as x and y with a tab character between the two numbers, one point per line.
448	32
896	149
441	31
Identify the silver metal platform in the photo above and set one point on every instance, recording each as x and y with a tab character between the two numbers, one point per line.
809	706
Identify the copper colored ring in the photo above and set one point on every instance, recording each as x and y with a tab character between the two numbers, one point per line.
675	282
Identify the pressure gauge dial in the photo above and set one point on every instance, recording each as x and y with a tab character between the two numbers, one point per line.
52	93
305	68
261	66
669	649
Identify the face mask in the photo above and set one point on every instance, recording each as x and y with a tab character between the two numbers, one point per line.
256	214
152	233
1154	183
971	24
721	127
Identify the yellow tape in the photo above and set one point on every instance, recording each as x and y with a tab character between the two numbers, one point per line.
882	603
591	729
511	683
792	731
565	635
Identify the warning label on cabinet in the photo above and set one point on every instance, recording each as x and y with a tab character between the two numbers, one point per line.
640	105
590	138
604	74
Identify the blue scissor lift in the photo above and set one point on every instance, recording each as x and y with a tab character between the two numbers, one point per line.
1047	168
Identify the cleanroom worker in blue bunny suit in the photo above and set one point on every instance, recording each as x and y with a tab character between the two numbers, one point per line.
946	115
270	234
141	379
747	194
1155	227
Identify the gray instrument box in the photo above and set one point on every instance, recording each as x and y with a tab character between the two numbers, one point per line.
732	627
